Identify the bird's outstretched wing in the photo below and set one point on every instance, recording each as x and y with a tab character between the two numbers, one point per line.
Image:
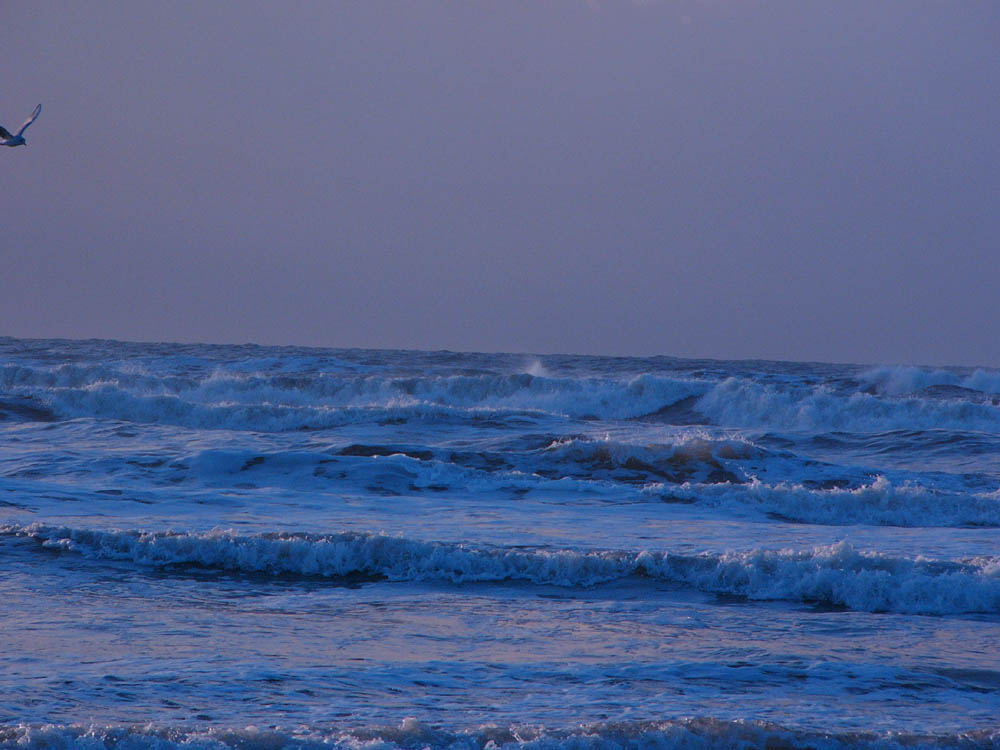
4	134
30	119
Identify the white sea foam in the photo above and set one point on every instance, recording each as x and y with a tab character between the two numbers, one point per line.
664	496
837	574
283	401
278	399
877	502
690	734
901	380
738	402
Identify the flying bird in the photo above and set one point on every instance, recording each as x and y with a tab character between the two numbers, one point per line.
6	139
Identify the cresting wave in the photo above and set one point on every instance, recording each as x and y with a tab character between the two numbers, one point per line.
689	734
901	380
878	502
692	470
278	400
315	400
738	402
837	575
528	462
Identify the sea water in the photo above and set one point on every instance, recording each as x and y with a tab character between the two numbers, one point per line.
254	548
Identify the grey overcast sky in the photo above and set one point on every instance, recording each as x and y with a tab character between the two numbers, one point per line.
792	179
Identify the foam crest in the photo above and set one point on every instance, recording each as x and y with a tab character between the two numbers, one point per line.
273	398
877	502
689	734
838	574
738	402
901	380
282	400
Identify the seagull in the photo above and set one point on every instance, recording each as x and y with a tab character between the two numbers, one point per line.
6	139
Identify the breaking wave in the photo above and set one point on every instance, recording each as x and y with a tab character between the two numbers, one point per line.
837	575
901	380
282	401
688	734
739	402
878	400
878	502
272	398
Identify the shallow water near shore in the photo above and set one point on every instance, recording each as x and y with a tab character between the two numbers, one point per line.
242	546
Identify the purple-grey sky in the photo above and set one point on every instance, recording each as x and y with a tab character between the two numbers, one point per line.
794	179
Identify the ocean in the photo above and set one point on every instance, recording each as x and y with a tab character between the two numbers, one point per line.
256	548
